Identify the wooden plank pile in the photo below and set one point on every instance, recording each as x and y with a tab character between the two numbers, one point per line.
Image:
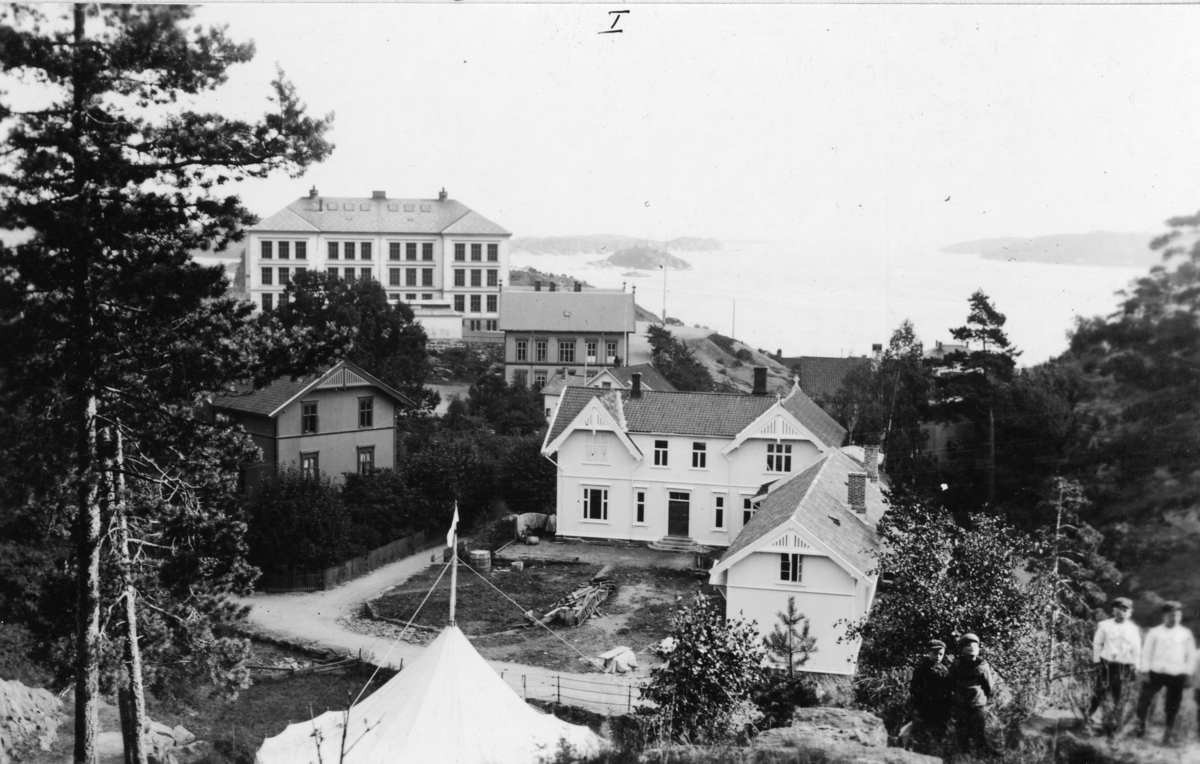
579	605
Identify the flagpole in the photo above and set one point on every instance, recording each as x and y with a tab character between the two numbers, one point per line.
452	540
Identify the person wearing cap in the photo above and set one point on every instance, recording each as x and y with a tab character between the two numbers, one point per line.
1115	651
1168	659
973	683
931	694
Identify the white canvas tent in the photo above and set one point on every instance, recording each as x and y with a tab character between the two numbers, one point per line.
447	706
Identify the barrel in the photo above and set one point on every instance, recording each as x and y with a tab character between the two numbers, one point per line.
481	559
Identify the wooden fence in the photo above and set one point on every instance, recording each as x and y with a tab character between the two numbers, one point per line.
322	580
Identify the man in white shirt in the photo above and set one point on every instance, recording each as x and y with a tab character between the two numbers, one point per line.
1168	659
1115	651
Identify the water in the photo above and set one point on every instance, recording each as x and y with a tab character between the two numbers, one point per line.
810	300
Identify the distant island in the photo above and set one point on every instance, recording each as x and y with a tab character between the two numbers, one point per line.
644	258
1095	248
607	244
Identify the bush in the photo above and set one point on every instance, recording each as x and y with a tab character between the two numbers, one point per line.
297	522
494	534
744	355
780	695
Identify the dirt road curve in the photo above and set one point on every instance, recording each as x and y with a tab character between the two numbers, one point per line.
312	619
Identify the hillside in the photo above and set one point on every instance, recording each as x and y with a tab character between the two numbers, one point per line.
1095	248
527	277
644	258
606	243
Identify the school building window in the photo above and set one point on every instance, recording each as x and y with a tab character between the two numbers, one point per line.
268	303
718	512
779	457
333	272
301	250
394	250
308	418
348	274
410	250
522	350
427	251
284	277
366	412
393	276
410	277
791	568
493	277
700	456
427	277
476	277
476	252
493	252
284	250
366	460
332	249
310	465
595	503
460	251
639	506
539	380
266	248
660	453
410	297
492	325
266	276
348	250
460	277
365	251
460	303
540	351
475	304
364	274
491	303
566	352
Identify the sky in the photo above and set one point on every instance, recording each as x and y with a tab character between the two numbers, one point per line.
863	128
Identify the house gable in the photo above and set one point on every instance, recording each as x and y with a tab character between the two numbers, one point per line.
344	374
597	416
776	423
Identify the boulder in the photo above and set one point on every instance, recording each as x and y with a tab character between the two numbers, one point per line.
29	719
839	736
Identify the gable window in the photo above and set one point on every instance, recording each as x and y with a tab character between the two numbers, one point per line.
394	276
366	460
476	277
779	457
460	303
539	380
606	385
791	568
591	351
476	252
267	250
410	277
566	352
365	251
366	412
493	252
595	450
427	250
491	305
610	352
460	251
660	453
309	465
332	249
522	350
302	250
427	277
699	456
308	418
284	250
268	303
595	503
394	250
540	351
266	276
460	277
748	510
719	512
348	250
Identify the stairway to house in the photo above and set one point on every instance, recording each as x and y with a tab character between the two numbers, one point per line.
678	544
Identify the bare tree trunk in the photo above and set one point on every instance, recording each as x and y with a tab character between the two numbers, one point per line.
87	579
135	709
991	456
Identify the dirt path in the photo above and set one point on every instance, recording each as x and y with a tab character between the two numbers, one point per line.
312	619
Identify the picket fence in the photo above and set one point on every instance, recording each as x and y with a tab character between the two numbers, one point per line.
328	578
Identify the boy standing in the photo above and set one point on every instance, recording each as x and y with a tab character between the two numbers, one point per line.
1115	651
1168	659
974	682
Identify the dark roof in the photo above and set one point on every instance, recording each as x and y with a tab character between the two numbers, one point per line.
651	379
822	377
575	312
817	499
370	215
815	418
713	415
267	400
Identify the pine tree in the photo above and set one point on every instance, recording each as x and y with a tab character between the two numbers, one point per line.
790	643
116	178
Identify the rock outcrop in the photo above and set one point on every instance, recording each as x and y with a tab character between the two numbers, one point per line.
29	719
839	736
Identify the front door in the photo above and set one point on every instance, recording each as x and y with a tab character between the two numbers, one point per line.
678	509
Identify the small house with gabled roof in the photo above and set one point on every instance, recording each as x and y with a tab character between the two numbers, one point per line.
619	378
340	419
677	468
812	538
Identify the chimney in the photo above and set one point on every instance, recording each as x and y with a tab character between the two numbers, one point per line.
442	195
537	286
877	351
857	497
578	287
636	390
872	462
312	193
379	194
553	287
760	380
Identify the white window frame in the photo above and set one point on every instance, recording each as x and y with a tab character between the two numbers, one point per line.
591	348
610	357
779	457
587	496
700	463
640	504
748	509
791	568
595	448
662	456
522	350
720	512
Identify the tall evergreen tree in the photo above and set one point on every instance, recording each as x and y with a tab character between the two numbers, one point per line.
676	361
115	178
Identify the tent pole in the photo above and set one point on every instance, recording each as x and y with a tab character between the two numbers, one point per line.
453	575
